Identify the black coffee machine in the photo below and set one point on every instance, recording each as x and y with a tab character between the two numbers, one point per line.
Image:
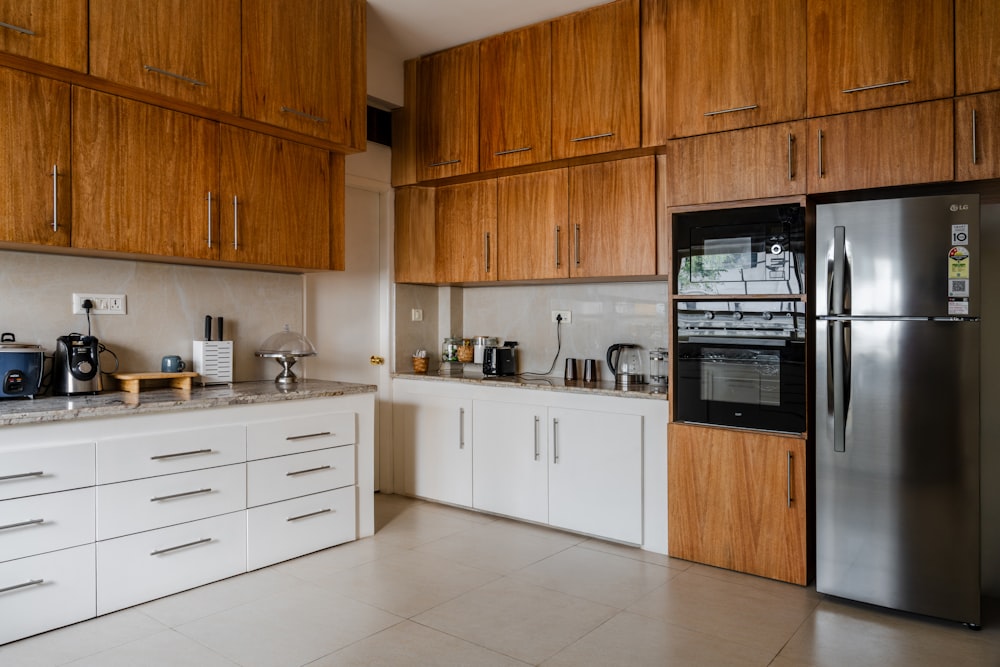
76	368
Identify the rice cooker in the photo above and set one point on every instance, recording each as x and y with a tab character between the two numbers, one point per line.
20	368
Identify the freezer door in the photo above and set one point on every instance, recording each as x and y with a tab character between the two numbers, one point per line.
897	510
916	257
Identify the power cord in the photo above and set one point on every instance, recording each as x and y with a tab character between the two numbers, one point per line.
559	321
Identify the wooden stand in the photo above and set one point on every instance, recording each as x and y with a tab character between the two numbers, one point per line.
133	382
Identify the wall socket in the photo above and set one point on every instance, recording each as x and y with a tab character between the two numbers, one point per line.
567	316
104	304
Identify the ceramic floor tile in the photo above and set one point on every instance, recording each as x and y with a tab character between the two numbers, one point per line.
164	649
770	586
420	524
321	565
635	553
526	622
415	645
596	576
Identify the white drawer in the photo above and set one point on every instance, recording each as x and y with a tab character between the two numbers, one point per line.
52	521
45	592
163	453
300	434
283	477
27	470
291	528
145	504
149	565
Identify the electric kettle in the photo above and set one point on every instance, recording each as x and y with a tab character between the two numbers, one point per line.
625	362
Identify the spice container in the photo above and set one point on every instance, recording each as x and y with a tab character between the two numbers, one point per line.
465	352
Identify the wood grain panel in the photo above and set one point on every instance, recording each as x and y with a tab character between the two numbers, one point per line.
414	235
977	46
532	225
404	131
983	161
59	27
448	113
465	234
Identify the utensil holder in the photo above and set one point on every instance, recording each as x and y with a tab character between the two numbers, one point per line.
213	361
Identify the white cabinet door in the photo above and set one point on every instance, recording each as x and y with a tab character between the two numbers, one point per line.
284	530
437	436
48	522
509	469
595	473
284	477
28	469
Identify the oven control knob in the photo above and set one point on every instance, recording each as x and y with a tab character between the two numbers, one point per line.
738	316
767	315
776	249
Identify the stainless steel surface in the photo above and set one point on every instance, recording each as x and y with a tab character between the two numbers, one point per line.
303	114
791	156
183	494
321	434
576	243
193	452
17	28
22	475
306	471
523	149
209	198
537	451
461	428
309	514
788	479
55	198
22	524
486	250
558	259
875	86
236	223
441	164
749	107
594	136
555	441
975	155
819	152
33	582
157	552
174	75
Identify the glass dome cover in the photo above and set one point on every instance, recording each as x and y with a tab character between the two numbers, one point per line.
287	343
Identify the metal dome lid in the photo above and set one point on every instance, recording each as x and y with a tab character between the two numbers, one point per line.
287	343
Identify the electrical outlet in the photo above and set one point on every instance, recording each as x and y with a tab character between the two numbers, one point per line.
416	315
103	304
567	316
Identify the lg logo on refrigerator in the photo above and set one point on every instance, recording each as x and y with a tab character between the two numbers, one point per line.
959	207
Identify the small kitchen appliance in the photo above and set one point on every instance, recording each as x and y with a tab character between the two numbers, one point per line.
500	361
20	368
625	363
76	368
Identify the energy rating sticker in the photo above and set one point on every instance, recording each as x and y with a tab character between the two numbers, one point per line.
958	262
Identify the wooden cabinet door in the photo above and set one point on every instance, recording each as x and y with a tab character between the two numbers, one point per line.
977	46
34	159
716	65
883	147
977	137
743	164
612	212
515	99
595	80
52	31
414	235
465	232
532	225
448	113
186	50
304	67
864	54
281	213
141	178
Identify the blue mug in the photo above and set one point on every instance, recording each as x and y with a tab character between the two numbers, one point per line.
172	364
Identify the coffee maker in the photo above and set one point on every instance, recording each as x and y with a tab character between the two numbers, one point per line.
76	368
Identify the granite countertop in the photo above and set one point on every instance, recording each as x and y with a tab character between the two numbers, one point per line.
119	403
546	383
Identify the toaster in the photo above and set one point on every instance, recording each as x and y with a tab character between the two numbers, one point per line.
500	361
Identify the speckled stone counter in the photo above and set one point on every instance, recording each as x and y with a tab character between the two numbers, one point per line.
118	403
547	383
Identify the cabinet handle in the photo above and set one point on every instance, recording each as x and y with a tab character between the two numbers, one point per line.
236	223
749	107
22	475
307	470
303	114
321	434
819	142
555	441
204	540
33	582
179	495
975	154
21	524
859	89
558	258
486	250
537	452
209	198
442	164
16	28
55	197
576	244
514	150
594	136
791	156
461	428
306	516
174	75
788	478
161	457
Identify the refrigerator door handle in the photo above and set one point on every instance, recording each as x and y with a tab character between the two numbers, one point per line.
839	376
836	281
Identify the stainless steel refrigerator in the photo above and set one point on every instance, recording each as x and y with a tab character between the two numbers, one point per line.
897	404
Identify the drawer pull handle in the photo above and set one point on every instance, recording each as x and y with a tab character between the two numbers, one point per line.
33	582
22	475
749	107
160	457
514	150
444	163
17	28
322	434
308	470
179	495
204	540
859	89
306	516
174	75
593	136
303	114
21	524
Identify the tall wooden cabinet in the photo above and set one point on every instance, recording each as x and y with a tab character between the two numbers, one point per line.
465	232
447	115
413	241
52	31
977	137
977	46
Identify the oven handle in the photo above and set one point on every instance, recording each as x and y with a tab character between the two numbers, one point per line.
839	378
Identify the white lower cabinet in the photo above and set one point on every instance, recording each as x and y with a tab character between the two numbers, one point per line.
283	477
47	591
436	435
27	469
290	528
52	521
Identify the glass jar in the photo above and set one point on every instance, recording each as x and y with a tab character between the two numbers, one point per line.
449	349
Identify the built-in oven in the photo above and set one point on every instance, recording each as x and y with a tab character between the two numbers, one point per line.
742	364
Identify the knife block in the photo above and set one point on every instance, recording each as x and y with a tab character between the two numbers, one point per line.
213	361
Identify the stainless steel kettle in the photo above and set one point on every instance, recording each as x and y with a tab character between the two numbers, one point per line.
625	361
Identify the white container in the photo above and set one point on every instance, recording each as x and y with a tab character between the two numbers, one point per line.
213	361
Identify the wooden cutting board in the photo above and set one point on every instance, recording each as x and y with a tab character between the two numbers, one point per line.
133	382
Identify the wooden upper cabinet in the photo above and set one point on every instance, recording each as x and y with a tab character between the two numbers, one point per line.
977	137
304	67
977	46
413	241
595	80
612	209
515	98
448	113
141	178
532	225
865	54
185	50
465	232
34	159
275	207
52	31
715	65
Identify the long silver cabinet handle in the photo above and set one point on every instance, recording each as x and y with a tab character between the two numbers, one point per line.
16	28
819	158
791	156
204	540
576	244
555	441
593	136
537	452
444	163
180	495
307	470
33	582
749	107
461	428
901	82
306	516
55	198
174	75
209	198
321	434
515	150
558	259
22	475
303	114
486	250
788	479
236	223
193	452
21	524
975	154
